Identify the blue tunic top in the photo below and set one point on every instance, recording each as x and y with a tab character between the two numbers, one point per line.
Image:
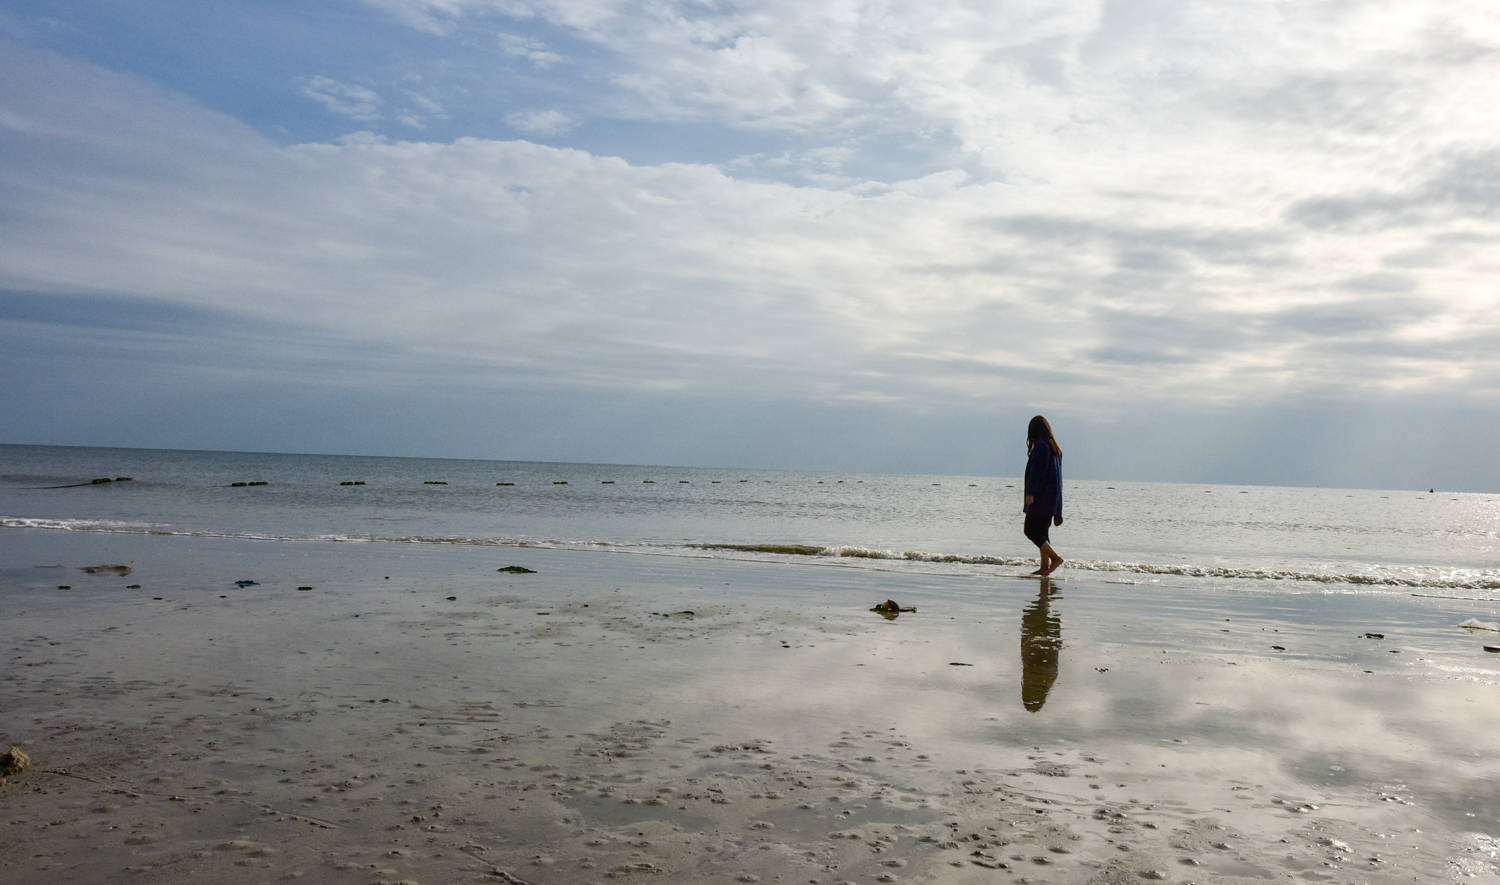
1044	481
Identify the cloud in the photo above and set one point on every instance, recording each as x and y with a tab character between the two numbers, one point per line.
1103	206
545	122
681	276
534	51
1380	282
428	105
1464	186
444	17
346	100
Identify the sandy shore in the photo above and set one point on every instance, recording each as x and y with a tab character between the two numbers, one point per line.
418	716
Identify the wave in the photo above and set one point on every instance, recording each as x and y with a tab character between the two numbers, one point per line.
83	525
1480	581
132	528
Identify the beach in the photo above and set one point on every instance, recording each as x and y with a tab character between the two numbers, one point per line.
410	713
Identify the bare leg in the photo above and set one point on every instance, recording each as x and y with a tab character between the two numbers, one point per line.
1050	560
1042	568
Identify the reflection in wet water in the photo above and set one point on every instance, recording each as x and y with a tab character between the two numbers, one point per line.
1041	640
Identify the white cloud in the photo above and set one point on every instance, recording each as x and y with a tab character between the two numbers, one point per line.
534	51
344	99
443	17
427	105
548	122
1104	204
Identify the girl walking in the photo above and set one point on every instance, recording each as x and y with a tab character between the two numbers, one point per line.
1043	490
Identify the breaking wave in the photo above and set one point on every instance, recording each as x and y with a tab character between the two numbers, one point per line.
1474	582
1483	581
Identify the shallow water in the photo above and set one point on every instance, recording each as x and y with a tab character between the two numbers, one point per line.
1330	539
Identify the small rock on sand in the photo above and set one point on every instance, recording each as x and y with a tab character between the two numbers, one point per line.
121	570
516	570
13	762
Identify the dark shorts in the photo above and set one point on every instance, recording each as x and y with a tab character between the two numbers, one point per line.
1036	528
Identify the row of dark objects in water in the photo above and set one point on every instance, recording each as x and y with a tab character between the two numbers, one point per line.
103	480
556	482
442	482
439	482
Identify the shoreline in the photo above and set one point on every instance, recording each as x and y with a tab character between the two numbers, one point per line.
692	720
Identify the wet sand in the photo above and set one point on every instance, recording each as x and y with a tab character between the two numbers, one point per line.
418	716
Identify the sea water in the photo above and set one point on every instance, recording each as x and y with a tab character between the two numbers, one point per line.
1262	537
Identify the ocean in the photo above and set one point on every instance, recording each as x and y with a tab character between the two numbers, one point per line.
1251	537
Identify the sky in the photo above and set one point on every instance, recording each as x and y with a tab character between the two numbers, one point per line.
1229	241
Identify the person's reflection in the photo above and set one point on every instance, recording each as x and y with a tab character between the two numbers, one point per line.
1041	638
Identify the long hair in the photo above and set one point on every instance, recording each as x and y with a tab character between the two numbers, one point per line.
1039	429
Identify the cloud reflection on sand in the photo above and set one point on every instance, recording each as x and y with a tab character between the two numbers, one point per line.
709	721
1341	721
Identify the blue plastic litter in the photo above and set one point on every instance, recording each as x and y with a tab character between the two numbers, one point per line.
246	583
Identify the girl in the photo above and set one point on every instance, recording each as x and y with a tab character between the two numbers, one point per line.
1043	490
